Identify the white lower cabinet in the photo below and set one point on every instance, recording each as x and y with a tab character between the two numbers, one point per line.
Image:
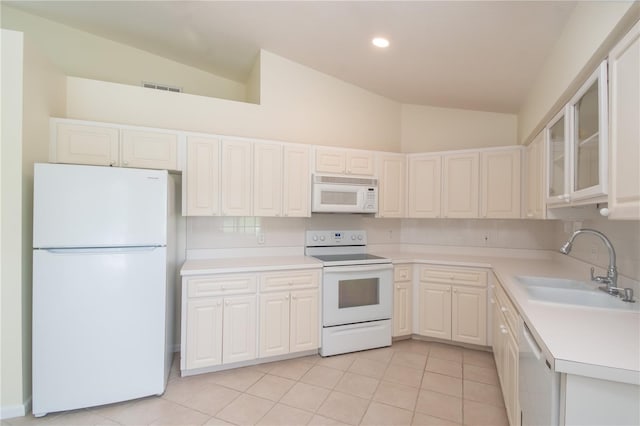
506	323
289	320
219	320
236	318
402	300
452	304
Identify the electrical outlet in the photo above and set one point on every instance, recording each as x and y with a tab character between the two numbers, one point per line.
261	238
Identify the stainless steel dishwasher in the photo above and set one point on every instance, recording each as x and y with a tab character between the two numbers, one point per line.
538	383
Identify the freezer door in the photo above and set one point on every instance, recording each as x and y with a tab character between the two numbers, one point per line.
90	206
99	321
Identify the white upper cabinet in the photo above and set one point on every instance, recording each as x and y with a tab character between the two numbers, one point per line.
202	176
267	179
76	142
557	135
534	179
577	145
342	161
149	150
424	185
501	183
624	148
236	178
84	144
460	185
589	137
392	185
296	191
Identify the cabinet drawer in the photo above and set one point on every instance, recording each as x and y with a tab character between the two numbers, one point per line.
507	308
470	277
290	280
402	273
220	285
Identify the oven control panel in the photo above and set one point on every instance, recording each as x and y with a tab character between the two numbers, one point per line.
335	238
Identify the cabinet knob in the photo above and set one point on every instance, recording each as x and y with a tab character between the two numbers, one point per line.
455	291
503	309
492	301
125	162
398	287
227	302
293	297
286	297
112	163
503	330
219	303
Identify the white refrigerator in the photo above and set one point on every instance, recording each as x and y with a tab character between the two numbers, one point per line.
103	285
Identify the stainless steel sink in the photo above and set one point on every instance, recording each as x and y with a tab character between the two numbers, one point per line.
571	292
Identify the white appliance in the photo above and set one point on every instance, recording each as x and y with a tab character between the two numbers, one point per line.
344	194
357	292
538	383
103	280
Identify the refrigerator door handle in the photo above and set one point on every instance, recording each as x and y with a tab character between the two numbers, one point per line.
97	250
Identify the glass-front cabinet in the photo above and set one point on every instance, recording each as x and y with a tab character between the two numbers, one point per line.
577	145
558	159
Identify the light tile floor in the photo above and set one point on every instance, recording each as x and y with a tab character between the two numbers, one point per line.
410	383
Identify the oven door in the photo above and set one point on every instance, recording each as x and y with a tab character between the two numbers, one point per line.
357	293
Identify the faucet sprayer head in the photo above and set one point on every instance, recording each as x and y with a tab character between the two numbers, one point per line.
566	247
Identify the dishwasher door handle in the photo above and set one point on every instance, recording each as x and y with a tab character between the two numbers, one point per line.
537	352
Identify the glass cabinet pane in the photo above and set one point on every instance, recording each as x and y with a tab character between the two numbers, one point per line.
586	139
556	158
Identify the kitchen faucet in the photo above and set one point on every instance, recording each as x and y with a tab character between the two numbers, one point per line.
611	280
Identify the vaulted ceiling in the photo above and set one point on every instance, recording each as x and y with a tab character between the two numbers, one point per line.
461	54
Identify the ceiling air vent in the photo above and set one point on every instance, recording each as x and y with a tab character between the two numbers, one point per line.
158	86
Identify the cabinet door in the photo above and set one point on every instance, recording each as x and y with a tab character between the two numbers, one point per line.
297	182
425	186
239	334
557	134
149	150
391	188
534	180
267	179
274	324
589	137
237	178
501	181
460	185
469	315
402	312
624	145
305	323
510	383
204	333
330	160
83	144
434	310
359	163
202	177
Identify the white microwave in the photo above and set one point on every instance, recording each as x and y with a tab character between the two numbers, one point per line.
344	194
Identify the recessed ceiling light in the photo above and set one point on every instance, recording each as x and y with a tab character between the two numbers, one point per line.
380	42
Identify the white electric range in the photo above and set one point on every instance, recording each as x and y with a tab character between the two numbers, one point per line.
357	292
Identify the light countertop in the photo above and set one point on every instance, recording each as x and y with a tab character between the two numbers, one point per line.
248	264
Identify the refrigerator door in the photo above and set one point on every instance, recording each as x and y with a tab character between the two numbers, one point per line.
89	206
98	326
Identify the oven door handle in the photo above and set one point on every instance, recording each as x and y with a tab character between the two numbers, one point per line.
359	268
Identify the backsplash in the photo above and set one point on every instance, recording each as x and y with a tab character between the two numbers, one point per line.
624	235
246	232
256	233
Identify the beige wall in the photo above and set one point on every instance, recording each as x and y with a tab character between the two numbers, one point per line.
81	54
624	236
574	56
11	355
430	128
298	104
36	90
